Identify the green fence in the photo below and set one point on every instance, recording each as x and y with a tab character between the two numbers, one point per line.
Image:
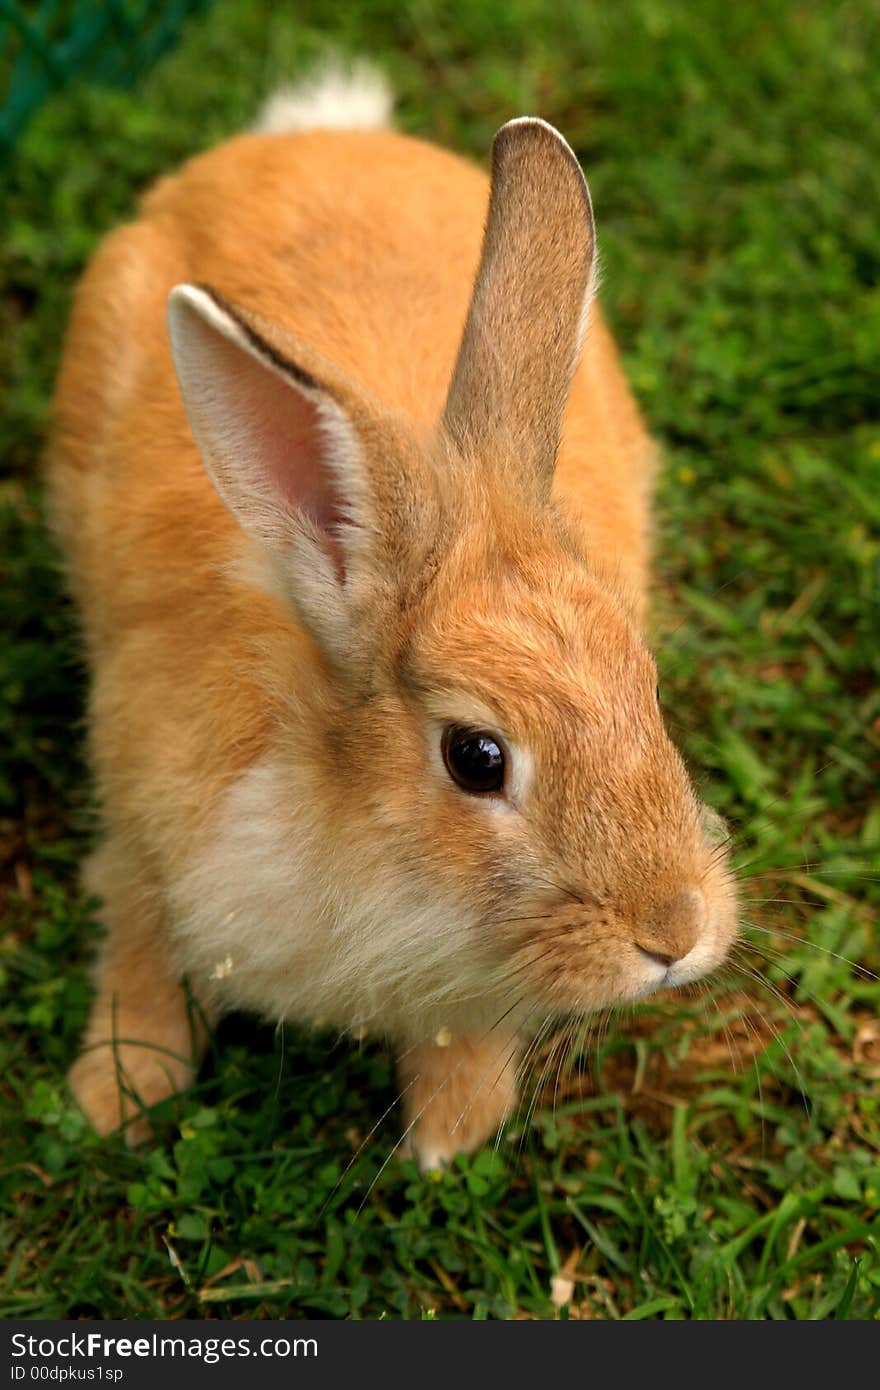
44	45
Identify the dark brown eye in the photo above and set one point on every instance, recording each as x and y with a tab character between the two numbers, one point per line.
473	759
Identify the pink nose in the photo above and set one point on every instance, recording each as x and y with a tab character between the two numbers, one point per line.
673	928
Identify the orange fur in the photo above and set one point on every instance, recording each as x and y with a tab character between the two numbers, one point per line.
364	246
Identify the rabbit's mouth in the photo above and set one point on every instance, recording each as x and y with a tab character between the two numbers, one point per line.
588	958
704	957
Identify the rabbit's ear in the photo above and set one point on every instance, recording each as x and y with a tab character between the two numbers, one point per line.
528	311
287	441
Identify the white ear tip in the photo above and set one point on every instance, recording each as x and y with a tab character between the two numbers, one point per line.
187	296
181	299
187	301
534	121
184	294
521	126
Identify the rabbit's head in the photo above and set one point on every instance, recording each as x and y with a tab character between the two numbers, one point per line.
491	738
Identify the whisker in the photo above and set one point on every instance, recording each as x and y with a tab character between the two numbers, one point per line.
530	1052
786	1003
559	888
811	867
532	1049
758	1049
507	921
813	945
537	1089
364	1142
778	960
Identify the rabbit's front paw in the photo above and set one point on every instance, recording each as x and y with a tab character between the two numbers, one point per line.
456	1096
115	1083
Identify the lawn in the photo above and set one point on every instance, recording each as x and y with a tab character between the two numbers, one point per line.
714	1155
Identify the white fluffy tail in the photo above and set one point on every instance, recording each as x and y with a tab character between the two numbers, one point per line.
356	96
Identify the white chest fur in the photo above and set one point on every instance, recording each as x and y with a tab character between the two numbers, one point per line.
275	916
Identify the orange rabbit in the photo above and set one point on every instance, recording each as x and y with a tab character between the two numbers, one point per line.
375	730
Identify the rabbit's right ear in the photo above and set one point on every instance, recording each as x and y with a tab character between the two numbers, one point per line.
528	311
304	459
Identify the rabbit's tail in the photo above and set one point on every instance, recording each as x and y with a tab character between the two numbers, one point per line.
337	95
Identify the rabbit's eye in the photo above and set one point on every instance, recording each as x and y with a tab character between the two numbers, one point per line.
474	759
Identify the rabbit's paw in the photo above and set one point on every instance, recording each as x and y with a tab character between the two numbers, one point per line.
456	1096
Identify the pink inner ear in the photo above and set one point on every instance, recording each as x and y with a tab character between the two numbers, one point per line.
290	448
261	435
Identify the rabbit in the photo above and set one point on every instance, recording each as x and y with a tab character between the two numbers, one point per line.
360	542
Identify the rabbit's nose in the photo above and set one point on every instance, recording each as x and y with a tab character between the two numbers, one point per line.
674	927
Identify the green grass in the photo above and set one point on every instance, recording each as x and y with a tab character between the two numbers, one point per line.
711	1156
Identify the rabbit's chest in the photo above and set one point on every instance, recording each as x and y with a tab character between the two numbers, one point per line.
272	917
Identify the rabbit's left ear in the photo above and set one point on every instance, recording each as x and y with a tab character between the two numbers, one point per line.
308	463
528	312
